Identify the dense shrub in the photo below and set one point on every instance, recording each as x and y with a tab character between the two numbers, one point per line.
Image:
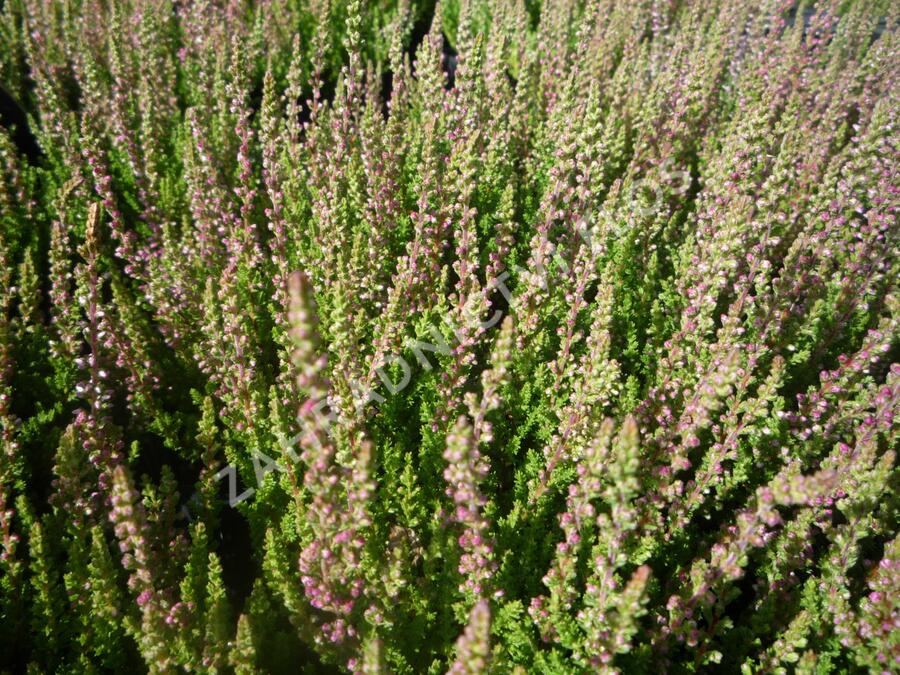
496	336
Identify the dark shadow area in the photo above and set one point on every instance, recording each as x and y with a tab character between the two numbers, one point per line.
14	118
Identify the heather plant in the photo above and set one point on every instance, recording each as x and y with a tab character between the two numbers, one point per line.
477	336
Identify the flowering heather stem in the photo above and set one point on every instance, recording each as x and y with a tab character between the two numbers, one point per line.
473	646
465	471
593	345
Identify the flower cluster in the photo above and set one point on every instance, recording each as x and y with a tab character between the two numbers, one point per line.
462	336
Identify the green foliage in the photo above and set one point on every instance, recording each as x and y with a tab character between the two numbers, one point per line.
472	336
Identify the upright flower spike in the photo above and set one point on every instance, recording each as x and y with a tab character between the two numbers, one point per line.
20	293
473	648
127	122
469	301
131	338
75	482
311	385
493	379
9	448
128	246
419	270
336	518
309	361
465	471
878	616
236	295
271	135
604	639
382	149
244	184
541	263
731	305
595	382
9	540
155	100
130	523
101	437
62	316
6	363
578	523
